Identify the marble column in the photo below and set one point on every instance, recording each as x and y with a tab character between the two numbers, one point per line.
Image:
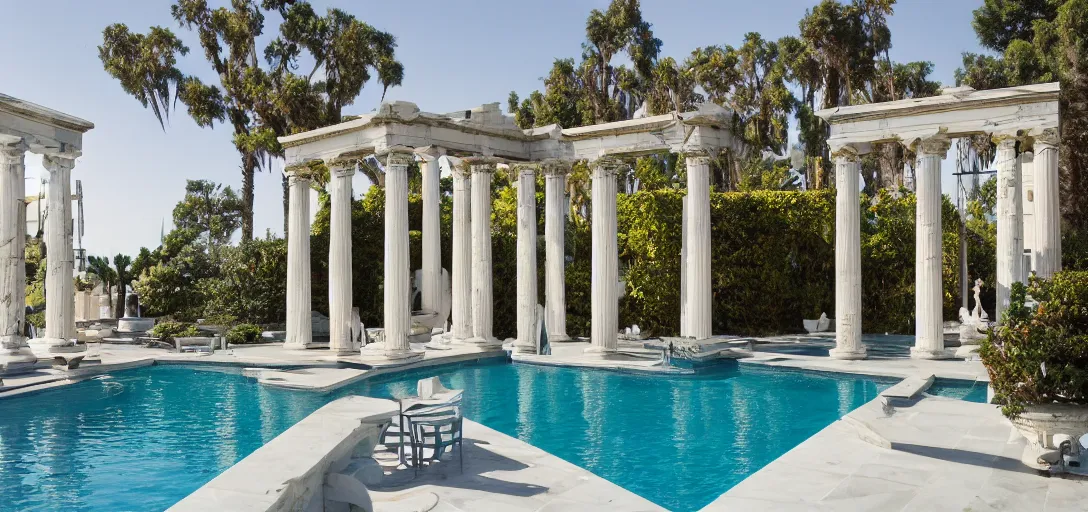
431	285
299	326
697	255
482	306
526	254
15	354
1048	233
1010	221
461	271
340	272
928	284
60	308
555	227
397	286
604	307
848	344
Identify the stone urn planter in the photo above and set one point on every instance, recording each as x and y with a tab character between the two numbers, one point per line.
1040	423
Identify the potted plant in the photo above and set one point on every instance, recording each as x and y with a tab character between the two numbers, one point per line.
1037	358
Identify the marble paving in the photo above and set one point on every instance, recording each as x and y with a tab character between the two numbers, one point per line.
501	473
936	454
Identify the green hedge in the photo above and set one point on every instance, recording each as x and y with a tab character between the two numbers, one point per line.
772	259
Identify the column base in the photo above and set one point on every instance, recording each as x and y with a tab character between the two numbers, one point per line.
378	356
17	360
559	338
482	342
50	346
342	351
925	353
295	346
847	354
598	352
525	347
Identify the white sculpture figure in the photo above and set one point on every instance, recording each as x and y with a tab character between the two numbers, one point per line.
973	323
821	324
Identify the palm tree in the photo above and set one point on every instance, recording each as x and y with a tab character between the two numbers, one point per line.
99	267
121	264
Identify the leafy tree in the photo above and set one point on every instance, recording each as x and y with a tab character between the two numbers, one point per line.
99	268
210	210
120	266
258	103
1040	41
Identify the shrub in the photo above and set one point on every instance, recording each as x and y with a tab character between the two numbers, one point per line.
244	334
1040	355
251	285
170	329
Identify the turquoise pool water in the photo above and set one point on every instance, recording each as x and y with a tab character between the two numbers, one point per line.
143	439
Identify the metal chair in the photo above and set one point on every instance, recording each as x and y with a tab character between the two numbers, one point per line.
438	428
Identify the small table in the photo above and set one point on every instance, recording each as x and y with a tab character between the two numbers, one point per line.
414	402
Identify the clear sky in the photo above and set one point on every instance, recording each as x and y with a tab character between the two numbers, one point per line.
456	55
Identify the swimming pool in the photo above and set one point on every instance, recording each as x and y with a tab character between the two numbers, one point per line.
143	439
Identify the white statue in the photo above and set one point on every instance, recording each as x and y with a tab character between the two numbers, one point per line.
973	323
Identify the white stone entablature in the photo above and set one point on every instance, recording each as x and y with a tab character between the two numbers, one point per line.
45	131
487	132
957	112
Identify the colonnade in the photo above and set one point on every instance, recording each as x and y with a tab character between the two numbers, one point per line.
472	310
929	323
59	335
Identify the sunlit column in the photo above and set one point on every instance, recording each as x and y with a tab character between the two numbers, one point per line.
15	355
340	272
697	254
461	271
397	291
482	306
928	284
848	344
431	285
555	220
526	258
60	324
1048	233
299	328
604	298
1010	220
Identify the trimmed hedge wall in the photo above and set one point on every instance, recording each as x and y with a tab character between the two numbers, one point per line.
772	259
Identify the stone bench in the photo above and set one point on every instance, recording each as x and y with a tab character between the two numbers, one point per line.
321	463
212	342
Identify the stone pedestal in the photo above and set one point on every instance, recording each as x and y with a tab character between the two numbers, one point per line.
1048	233
1010	221
527	289
299	334
482	306
340	321
15	355
461	273
604	305
395	348
60	322
928	295
555	220
697	254
848	344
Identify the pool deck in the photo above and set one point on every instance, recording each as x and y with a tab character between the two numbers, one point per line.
936	454
501	473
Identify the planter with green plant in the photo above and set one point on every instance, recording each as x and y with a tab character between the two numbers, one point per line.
1037	358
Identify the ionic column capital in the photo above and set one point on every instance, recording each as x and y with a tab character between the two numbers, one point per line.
342	167
607	167
1007	140
845	154
1046	139
526	168
13	149
430	153
696	157
396	157
936	145
53	163
553	168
